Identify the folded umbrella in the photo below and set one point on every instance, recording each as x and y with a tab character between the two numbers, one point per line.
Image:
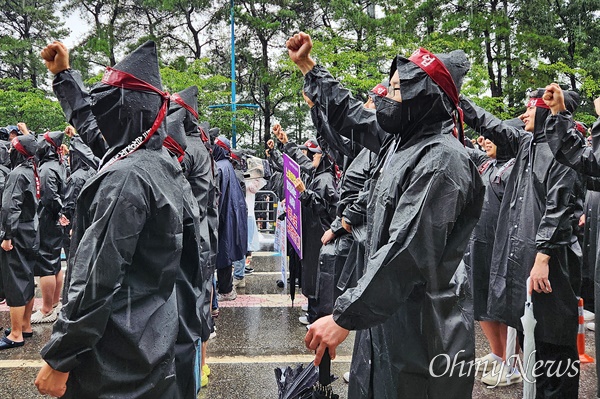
529	323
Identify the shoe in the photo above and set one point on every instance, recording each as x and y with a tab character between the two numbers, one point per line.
212	335
38	317
248	270
206	370
304	307
6	343
214	313
587	315
487	363
346	377
591	326
304	320
25	334
230	296
58	306
203	380
502	376
239	283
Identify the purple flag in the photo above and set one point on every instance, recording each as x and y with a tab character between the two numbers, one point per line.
291	172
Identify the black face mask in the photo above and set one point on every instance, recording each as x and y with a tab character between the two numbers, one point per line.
389	114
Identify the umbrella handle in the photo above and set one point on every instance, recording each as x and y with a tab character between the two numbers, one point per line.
325	369
527	289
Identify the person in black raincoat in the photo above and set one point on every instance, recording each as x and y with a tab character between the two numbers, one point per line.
189	284
53	178
318	188
198	168
569	149
115	335
495	168
20	241
233	220
424	203
536	239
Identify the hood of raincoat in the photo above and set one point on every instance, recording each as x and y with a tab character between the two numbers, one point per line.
186	102
424	102
124	114
29	145
81	156
48	146
222	147
4	158
542	111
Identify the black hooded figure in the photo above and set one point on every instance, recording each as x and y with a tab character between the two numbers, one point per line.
194	259
20	225
53	178
413	303
116	333
537	215
4	166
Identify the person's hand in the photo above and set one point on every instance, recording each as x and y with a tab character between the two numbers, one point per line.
22	128
280	134
56	57
347	226
597	106
539	275
299	47
70	131
63	221
481	141
582	220
271	144
554	98
51	382
6	245
327	237
299	184
324	333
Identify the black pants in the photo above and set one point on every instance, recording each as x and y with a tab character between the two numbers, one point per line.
558	378
225	280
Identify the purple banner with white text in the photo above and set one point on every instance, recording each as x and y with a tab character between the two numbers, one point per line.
291	172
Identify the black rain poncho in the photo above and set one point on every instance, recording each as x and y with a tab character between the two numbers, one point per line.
478	255
116	333
537	216
20	224
413	301
53	179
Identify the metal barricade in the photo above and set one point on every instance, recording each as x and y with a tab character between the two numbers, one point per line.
265	210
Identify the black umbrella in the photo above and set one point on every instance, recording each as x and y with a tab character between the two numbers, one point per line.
307	382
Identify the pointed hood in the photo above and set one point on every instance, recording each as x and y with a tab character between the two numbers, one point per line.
182	119
543	111
23	148
49	146
129	104
81	156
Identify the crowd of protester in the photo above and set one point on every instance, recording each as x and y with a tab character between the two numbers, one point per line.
410	231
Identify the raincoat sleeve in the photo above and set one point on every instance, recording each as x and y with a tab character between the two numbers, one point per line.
338	143
356	213
337	228
74	185
345	114
425	213
12	201
562	196
506	137
75	102
568	147
98	267
276	160
50	197
478	157
291	149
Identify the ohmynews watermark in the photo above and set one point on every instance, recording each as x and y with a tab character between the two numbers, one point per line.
528	368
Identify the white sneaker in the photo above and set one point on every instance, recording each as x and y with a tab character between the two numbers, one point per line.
502	376
487	363
239	283
591	326
346	377
303	320
587	315
38	317
304	307
227	297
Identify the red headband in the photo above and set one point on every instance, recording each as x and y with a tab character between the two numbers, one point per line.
234	156
173	146
222	145
19	147
203	135
53	144
177	98
380	90
438	72
537	102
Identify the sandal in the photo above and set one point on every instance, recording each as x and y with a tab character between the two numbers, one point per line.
25	334
6	343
